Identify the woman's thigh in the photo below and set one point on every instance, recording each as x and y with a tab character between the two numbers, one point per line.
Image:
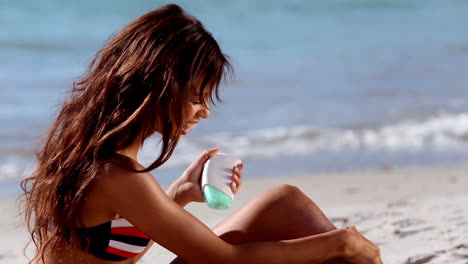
281	213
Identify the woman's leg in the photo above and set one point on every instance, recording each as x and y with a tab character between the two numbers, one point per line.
281	213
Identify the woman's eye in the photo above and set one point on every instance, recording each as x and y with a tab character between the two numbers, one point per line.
196	102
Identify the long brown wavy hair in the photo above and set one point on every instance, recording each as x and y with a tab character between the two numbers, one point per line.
138	83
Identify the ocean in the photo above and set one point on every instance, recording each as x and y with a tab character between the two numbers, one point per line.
319	86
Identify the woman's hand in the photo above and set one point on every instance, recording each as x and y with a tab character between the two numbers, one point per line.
187	188
236	178
360	250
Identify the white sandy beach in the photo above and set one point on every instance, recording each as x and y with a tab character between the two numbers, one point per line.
416	215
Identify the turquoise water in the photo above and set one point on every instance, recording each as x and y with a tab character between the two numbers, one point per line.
319	86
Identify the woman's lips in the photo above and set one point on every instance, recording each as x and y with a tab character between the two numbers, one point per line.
188	126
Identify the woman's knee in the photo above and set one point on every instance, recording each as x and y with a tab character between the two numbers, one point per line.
287	192
287	189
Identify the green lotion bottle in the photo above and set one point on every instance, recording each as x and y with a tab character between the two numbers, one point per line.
216	180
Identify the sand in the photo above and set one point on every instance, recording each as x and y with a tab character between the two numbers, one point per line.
416	216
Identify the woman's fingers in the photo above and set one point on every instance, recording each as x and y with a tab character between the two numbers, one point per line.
234	187
239	168
237	174
236	183
236	178
362	250
206	155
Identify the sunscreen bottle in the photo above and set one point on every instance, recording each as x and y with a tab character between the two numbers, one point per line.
216	180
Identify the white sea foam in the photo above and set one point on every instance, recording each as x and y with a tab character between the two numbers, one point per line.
444	132
10	172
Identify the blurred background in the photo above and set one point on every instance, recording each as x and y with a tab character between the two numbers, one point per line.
319	86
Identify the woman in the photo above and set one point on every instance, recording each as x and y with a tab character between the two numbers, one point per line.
90	201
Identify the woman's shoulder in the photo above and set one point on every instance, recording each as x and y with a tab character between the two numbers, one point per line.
112	181
120	174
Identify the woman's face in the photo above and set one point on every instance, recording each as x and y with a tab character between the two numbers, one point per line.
193	113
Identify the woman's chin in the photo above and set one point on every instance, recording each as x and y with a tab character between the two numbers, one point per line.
185	131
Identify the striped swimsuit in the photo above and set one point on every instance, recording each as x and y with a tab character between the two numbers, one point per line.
115	240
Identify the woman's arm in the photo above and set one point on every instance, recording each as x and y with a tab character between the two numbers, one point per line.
187	189
347	244
140	199
312	249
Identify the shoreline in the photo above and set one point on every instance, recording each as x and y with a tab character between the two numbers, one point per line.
416	215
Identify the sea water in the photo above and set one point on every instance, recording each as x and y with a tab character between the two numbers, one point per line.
318	86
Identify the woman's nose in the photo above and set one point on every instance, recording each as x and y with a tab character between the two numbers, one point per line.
204	112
